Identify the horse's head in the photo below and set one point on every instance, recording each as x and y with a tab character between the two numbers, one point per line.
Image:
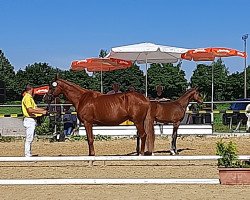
196	95
54	91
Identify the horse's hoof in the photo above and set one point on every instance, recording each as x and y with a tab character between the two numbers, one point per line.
148	153
172	152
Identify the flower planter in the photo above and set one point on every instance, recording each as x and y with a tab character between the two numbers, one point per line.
234	176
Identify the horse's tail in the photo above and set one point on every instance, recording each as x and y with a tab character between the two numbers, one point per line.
149	128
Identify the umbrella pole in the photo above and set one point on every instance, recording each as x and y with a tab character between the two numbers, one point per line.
212	97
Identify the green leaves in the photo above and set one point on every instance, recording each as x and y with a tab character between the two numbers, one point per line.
7	74
228	153
125	77
202	77
172	78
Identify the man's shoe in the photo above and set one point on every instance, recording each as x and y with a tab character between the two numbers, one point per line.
30	155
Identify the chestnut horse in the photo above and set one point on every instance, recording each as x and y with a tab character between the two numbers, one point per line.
96	108
169	112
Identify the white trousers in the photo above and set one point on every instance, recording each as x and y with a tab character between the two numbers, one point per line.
29	124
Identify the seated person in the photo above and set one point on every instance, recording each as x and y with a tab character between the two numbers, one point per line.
116	89
131	88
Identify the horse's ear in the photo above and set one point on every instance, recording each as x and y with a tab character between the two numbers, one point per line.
56	76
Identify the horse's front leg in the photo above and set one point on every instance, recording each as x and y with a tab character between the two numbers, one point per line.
142	134
90	137
173	149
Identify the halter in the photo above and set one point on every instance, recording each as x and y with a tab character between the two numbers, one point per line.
50	96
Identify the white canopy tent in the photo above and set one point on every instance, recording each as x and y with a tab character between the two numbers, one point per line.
147	53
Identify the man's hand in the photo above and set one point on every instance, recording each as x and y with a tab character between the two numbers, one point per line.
44	112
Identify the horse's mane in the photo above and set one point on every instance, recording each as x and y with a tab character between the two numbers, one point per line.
77	86
186	93
190	90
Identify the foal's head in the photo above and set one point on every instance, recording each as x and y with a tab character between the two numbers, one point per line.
196	95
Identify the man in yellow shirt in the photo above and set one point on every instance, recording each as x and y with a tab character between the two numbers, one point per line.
30	112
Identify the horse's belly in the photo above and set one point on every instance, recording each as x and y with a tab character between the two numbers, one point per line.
111	117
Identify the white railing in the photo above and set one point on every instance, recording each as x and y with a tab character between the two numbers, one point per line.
114	158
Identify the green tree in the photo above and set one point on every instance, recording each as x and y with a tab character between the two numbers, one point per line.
36	74
80	78
171	77
202	77
221	74
248	80
125	77
7	74
235	86
103	53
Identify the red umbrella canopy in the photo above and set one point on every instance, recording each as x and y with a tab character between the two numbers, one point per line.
100	64
209	54
41	90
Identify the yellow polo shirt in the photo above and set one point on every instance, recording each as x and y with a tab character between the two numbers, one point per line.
28	102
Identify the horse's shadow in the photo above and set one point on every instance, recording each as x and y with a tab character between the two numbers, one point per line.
178	150
155	152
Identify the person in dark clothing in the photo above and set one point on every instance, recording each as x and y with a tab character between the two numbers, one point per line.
69	121
159	93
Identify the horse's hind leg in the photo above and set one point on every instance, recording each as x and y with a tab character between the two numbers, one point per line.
90	137
173	149
142	134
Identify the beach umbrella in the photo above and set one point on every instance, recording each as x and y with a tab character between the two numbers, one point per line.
144	53
209	54
100	65
41	90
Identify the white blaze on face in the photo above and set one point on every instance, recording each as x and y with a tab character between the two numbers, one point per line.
54	84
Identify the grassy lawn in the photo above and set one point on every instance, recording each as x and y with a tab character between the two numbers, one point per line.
10	110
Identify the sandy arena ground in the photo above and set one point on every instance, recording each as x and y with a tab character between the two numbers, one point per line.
123	169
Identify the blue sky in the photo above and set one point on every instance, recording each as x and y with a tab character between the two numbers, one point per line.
59	31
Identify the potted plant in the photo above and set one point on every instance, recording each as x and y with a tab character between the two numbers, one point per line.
232	171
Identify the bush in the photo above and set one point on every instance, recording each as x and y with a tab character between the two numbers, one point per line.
229	159
43	128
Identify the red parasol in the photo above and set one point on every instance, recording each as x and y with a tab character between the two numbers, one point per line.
41	90
101	65
209	54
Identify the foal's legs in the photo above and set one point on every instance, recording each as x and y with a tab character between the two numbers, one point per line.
142	134
90	137
173	149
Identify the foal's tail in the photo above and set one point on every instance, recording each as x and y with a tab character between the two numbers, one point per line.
149	128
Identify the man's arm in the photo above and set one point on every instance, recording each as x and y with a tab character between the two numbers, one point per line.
37	111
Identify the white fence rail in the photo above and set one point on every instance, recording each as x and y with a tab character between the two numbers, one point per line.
109	181
130	130
105	181
114	158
